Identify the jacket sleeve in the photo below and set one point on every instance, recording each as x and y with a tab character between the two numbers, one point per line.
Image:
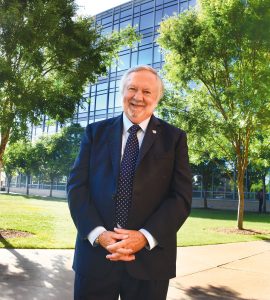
175	208
83	212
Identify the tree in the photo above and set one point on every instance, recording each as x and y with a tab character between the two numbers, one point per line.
47	55
211	172
57	153
260	157
21	157
10	165
217	55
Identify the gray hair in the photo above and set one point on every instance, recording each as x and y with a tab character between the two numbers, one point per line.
142	68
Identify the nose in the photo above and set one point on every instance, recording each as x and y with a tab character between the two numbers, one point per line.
138	95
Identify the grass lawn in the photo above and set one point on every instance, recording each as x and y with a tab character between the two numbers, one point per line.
209	226
50	223
48	219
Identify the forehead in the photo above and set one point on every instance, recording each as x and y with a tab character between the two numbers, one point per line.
143	77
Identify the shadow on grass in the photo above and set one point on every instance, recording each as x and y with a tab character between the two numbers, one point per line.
229	215
22	278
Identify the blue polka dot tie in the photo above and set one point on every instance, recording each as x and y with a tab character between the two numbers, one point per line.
125	182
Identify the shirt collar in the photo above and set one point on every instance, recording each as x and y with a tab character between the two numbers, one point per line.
127	123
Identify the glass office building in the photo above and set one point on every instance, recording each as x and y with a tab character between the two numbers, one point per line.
104	96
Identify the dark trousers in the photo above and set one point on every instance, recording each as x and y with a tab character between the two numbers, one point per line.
119	283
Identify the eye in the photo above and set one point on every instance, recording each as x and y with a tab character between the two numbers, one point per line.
147	92
131	89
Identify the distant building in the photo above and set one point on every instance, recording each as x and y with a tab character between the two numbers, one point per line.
104	95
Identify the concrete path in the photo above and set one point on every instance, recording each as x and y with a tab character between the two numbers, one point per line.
230	271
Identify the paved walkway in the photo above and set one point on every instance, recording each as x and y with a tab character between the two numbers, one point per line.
230	271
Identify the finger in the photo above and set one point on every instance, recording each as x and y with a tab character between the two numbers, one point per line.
123	251
118	257
120	236
121	230
115	246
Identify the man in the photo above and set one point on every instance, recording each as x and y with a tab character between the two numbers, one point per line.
129	192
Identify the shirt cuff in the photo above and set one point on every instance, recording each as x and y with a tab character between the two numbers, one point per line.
94	234
152	242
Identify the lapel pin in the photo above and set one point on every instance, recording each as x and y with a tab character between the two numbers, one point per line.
154	131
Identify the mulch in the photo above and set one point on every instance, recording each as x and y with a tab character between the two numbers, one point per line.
241	231
10	233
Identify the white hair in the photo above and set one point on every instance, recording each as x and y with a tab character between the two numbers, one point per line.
142	68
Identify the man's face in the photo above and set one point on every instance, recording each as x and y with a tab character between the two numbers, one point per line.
140	95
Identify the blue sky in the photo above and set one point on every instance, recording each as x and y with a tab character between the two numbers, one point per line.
90	7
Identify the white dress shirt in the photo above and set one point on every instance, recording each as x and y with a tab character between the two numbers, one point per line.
152	242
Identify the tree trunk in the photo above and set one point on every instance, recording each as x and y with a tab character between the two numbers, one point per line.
8	183
205	204
51	187
241	199
264	194
27	184
3	143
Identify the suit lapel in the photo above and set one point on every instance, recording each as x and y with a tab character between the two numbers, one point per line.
115	144
151	134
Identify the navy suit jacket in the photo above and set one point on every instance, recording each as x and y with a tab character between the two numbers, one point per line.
162	192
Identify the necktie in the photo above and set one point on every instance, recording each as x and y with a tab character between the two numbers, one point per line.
125	182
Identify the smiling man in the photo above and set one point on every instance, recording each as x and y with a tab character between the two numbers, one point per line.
129	192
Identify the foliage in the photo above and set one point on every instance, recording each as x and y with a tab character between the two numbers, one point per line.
217	56
57	152
50	157
21	157
47	55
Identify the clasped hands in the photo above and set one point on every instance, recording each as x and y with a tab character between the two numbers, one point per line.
122	243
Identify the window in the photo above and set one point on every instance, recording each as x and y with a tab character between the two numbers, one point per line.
147	21
101	101
123	63
146	40
147	5
136	21
126	13
183	6
145	56
111	100
106	30
102	86
159	2
168	11
134	56
118	100
192	3
157	56
125	24
107	20
158	17
136	9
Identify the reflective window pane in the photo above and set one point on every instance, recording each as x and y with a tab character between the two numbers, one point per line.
147	5
158	2
134	56
158	17
101	101
183	6
147	21
123	63
145	57
168	11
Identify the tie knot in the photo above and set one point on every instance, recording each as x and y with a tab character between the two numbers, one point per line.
134	129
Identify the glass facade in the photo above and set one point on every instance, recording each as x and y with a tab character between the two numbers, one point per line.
102	100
